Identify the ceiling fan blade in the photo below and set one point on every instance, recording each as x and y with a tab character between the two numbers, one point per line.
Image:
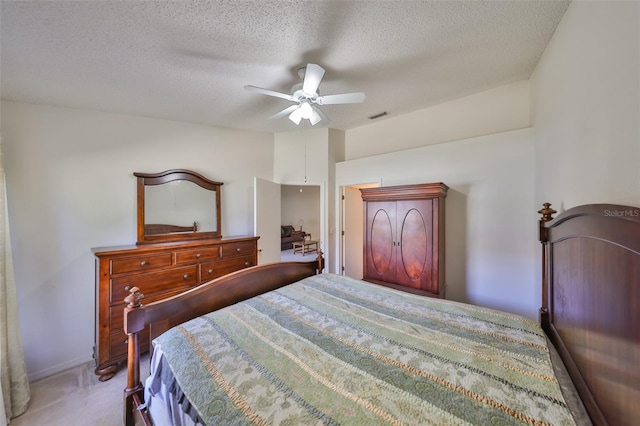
270	92
296	116
284	112
344	98
312	77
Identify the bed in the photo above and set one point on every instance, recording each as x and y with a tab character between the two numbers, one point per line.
287	344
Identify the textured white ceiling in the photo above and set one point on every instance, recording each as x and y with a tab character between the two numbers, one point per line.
189	60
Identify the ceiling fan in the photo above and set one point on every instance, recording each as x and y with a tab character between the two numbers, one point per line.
307	97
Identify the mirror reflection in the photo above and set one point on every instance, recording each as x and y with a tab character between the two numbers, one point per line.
179	206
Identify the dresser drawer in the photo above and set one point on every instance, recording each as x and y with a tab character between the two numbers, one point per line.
116	312
211	270
118	343
241	248
140	263
154	283
193	256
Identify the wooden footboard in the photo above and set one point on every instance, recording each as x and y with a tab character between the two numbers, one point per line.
591	304
216	294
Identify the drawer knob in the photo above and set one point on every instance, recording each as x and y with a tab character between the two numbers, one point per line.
185	276
246	263
127	288
210	271
144	263
198	255
238	249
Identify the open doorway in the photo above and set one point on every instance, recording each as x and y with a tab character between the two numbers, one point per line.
301	217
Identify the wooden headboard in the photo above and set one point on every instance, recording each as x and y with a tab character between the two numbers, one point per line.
159	228
591	304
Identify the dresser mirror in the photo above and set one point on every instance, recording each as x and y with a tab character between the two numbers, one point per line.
177	205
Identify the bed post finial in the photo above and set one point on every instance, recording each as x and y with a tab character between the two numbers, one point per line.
134	298
547	212
547	215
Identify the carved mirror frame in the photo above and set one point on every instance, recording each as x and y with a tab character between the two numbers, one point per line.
148	179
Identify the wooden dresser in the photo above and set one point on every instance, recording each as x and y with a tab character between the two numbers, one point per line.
404	237
159	270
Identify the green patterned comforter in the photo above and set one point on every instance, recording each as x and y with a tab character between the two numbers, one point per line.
333	350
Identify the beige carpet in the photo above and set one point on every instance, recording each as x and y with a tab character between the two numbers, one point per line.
77	398
286	255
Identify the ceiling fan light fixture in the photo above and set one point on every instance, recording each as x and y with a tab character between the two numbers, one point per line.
306	111
315	117
296	116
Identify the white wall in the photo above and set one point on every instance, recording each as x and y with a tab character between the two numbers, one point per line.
336	154
302	158
490	216
70	188
586	107
472	145
497	110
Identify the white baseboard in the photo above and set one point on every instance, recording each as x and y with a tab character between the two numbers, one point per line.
42	374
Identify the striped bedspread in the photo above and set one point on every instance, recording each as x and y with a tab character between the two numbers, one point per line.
333	350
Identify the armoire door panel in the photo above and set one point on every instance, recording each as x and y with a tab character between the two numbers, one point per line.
381	253
413	250
415	241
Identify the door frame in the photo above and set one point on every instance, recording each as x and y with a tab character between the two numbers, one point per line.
322	214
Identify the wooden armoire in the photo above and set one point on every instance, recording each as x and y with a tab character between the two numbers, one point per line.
404	237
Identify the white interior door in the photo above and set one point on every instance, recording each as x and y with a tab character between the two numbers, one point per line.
353	229
266	218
